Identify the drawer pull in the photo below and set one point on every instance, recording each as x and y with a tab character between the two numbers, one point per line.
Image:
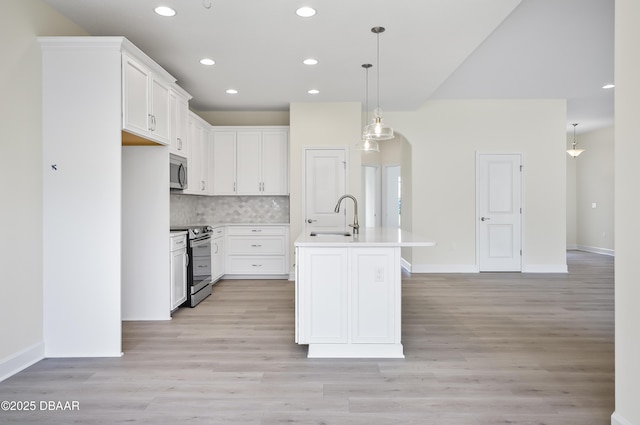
256	246
256	265
256	230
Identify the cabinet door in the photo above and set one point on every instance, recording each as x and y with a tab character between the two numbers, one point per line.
217	258
205	165
275	163
249	162
375	293
178	278
224	162
323	283
194	164
178	116
159	110
135	108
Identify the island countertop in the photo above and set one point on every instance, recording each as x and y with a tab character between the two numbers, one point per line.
368	237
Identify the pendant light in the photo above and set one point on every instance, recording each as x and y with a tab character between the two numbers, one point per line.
378	130
365	144
573	151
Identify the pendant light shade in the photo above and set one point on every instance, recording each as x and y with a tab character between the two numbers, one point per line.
378	130
573	151
366	144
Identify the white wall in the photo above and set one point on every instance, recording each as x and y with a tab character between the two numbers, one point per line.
82	199
445	136
245	117
595	184
21	327
315	125
145	236
627	205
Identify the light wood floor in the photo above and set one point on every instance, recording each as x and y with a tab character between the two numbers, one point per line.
490	348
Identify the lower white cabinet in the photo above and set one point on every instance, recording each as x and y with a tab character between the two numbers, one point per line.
217	254
257	250
348	301
179	261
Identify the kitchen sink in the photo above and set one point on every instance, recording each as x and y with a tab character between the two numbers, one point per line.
330	233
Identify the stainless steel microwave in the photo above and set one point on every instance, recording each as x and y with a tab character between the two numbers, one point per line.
177	172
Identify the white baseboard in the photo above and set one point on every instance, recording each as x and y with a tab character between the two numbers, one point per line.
545	268
21	360
405	265
619	420
572	247
444	268
596	250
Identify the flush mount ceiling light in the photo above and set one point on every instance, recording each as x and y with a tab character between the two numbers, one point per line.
164	11
365	144
232	91
207	61
608	86
378	130
310	61
313	91
306	12
573	151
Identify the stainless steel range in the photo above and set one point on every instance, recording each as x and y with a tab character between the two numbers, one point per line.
199	282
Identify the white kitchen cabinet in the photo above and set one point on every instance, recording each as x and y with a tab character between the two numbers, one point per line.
217	253
145	102
224	162
179	121
257	250
251	161
179	261
199	159
348	301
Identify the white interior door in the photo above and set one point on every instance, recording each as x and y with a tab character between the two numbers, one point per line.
325	183
391	195
499	212
371	195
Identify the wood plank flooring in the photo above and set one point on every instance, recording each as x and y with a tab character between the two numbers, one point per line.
490	348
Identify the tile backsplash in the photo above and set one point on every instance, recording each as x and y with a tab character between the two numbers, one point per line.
193	209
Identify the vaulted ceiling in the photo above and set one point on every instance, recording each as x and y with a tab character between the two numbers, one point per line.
431	49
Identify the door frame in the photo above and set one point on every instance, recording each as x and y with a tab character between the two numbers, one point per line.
305	149
522	199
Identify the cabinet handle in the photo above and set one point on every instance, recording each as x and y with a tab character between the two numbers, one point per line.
153	119
179	144
234	187
256	265
256	246
150	122
216	244
186	260
256	230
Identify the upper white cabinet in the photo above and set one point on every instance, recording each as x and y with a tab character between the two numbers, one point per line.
178	122
251	161
224	162
199	165
145	101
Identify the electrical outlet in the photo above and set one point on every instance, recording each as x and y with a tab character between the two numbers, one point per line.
379	274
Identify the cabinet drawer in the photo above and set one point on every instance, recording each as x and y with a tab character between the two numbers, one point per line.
178	242
218	232
255	230
244	245
255	265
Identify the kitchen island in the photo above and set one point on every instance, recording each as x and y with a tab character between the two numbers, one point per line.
348	292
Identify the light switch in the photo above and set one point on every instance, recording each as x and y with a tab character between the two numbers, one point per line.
593	205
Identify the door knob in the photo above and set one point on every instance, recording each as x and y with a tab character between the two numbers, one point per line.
311	221
485	218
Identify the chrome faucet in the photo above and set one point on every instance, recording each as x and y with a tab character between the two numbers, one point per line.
355	225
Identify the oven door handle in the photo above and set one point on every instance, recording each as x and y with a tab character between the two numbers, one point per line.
186	264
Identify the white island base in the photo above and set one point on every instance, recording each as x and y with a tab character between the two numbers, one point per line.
348	293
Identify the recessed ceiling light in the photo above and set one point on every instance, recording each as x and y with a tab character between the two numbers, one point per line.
232	91
313	91
608	86
306	12
207	61
165	11
310	61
